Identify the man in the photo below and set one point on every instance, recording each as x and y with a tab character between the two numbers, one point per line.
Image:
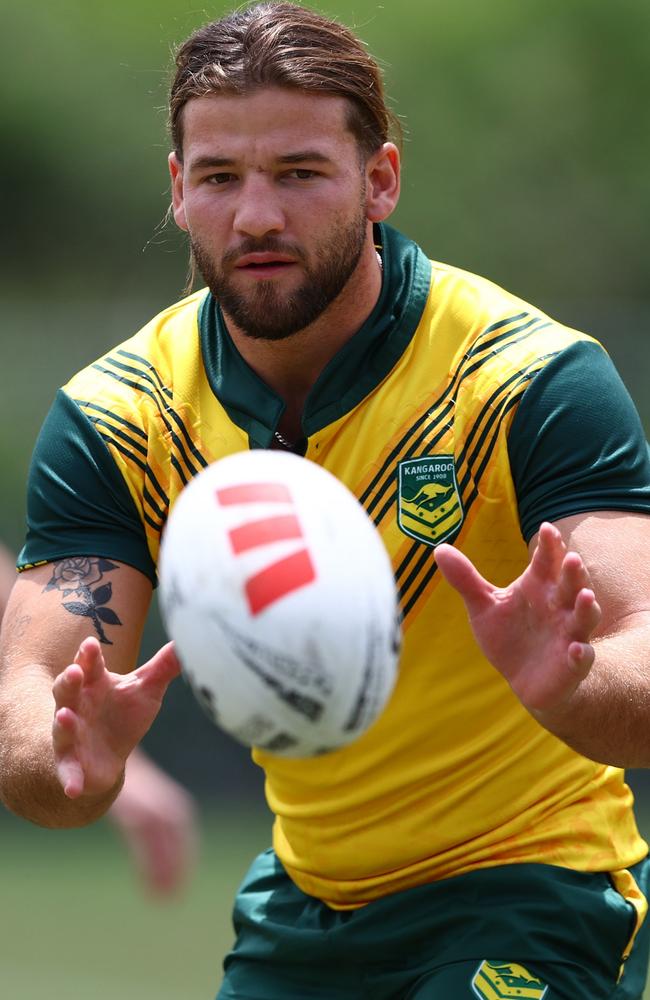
479	839
153	813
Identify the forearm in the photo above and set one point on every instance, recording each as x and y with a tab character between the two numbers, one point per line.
29	786
608	717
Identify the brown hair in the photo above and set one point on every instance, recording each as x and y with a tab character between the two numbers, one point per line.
282	44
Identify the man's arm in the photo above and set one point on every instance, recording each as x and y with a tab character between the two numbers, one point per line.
572	634
68	716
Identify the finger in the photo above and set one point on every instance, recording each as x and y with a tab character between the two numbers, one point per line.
90	658
65	727
580	658
573	578
67	686
549	552
461	574
71	776
158	672
68	768
587	613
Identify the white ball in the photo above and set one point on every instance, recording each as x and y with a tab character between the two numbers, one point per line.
280	597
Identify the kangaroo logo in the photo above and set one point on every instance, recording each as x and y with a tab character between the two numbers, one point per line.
285	575
427	498
429	502
505	980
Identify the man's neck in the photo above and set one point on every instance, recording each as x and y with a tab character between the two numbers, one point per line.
290	367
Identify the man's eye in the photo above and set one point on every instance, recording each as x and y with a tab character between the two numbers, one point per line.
219	178
303	175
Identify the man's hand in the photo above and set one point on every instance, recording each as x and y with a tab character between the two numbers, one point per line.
157	819
536	631
101	716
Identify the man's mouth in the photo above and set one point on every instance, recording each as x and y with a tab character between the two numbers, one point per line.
264	263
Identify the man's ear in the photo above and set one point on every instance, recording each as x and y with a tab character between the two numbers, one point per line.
178	200
383	182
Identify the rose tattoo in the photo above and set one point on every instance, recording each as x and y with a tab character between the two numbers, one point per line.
76	577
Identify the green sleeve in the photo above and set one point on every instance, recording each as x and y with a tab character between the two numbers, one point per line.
576	443
77	501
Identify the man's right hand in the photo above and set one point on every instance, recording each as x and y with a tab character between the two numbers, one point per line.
101	716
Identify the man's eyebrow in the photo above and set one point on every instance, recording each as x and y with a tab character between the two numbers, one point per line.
312	155
219	162
202	162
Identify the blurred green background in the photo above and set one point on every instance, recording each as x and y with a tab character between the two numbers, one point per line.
527	144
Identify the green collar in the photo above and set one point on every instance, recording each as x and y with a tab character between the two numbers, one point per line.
353	372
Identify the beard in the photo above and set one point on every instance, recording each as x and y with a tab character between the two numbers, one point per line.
267	313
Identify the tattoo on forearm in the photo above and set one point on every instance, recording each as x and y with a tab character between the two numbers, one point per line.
21	625
74	578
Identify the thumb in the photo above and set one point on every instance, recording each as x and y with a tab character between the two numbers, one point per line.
158	672
463	576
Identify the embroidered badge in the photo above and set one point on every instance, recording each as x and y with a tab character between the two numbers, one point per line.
500	980
429	504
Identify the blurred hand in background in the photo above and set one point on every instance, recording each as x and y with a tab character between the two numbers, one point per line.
157	819
7	577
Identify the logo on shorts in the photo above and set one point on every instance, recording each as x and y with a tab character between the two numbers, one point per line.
500	980
429	504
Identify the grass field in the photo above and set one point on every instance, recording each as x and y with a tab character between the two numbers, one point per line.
76	926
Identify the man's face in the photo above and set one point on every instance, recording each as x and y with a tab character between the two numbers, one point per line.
272	191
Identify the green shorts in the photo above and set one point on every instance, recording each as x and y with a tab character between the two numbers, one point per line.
531	932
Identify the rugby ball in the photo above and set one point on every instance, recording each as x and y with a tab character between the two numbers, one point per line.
279	594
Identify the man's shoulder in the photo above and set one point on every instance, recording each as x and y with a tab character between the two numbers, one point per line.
484	319
149	362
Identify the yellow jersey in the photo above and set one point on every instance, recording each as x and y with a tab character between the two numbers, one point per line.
457	413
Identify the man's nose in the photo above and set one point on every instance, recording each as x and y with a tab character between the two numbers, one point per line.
258	209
